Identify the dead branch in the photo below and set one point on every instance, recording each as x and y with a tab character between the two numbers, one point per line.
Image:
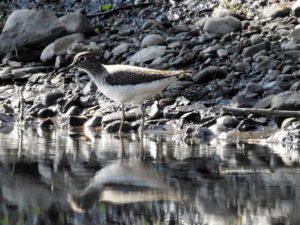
270	112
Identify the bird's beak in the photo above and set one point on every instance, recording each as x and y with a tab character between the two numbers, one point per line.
66	68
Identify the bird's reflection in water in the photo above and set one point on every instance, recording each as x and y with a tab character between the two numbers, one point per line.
123	182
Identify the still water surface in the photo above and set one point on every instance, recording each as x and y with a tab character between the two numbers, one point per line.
85	177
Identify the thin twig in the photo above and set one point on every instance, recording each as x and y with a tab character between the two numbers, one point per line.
271	112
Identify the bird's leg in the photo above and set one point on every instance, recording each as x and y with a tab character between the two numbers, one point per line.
142	130
143	117
123	118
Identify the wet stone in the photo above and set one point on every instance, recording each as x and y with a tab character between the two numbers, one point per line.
46	124
228	121
76	121
113	127
6	118
94	122
51	98
74	111
46	113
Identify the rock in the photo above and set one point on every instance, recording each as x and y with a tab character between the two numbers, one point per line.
29	27
208	74
52	97
194	117
76	121
288	122
89	88
222	12
286	136
222	26
242	102
242	67
73	111
296	8
276	11
149	24
76	23
264	103
147	54
228	121
217	129
286	101
155	111
205	134
153	40
113	127
293	55
94	122
33	110
7	109
60	46
131	115
46	113
6	118
295	86
252	50
256	39
46	124
120	49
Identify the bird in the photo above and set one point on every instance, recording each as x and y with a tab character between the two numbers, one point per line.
125	84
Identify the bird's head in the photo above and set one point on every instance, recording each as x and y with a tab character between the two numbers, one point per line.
84	61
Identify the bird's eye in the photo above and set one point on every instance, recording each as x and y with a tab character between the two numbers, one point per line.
82	59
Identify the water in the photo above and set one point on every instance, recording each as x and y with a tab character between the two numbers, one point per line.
87	177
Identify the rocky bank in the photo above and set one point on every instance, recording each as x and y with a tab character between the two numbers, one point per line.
243	54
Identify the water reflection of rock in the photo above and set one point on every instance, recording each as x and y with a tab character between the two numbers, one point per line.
229	184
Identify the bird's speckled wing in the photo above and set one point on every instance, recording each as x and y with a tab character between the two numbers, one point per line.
132	75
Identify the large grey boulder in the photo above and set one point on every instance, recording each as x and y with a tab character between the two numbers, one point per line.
76	23
286	101
148	54
60	46
153	40
223	25
29	27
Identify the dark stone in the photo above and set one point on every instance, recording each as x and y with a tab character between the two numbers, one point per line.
247	125
95	121
131	115
76	121
6	118
33	110
286	101
74	111
72	101
46	124
51	98
228	121
242	102
252	50
155	112
191	117
113	127
205	134
7	109
46	113
264	103
208	74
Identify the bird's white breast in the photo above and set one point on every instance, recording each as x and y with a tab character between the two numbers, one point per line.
135	94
